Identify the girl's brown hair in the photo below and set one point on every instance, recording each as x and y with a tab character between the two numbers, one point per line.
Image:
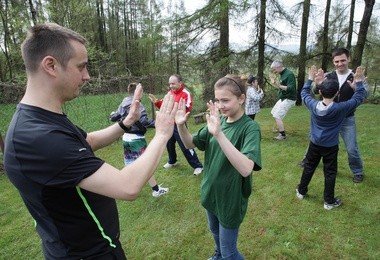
233	83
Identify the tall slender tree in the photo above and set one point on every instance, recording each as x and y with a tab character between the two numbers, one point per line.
325	37
303	48
33	12
100	18
224	50
261	41
4	15
351	25
362	35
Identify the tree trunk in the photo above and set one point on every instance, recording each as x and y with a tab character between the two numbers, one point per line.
4	14
325	39
362	36
351	25
102	43
261	43
224	38
33	12
302	54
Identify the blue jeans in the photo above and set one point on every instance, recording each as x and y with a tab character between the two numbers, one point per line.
225	239
348	134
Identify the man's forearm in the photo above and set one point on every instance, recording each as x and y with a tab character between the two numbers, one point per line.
104	137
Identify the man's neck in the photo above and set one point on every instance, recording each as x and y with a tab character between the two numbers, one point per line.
40	96
347	71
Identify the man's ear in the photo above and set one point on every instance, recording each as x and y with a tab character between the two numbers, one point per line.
49	65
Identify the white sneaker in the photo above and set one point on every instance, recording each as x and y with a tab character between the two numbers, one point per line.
170	165
197	171
299	195
279	137
161	191
334	205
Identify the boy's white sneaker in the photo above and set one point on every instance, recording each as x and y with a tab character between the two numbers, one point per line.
170	165
334	205
161	191
197	171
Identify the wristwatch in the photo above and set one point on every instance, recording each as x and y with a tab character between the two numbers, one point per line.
124	127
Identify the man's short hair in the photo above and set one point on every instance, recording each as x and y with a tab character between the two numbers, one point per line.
340	51
179	77
277	64
329	88
48	39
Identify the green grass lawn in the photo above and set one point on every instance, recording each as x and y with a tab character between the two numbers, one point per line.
277	224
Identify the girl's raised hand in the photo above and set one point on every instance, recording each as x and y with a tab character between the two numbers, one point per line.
213	119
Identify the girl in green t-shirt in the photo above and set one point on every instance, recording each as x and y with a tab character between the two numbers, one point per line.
231	141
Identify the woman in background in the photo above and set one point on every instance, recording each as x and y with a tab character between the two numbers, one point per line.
254	95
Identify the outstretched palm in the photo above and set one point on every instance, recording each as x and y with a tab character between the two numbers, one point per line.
181	116
213	119
319	77
134	111
358	76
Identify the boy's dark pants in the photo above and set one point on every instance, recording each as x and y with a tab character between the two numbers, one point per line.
329	157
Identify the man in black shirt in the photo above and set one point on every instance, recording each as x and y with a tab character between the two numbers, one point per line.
67	189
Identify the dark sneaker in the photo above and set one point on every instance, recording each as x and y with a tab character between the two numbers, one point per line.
358	178
336	204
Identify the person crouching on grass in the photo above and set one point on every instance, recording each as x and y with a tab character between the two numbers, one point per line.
231	142
326	121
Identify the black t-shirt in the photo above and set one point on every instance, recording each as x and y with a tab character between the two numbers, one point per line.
46	157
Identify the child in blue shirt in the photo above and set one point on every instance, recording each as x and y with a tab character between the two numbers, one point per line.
325	123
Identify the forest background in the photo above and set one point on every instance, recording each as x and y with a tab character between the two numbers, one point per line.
147	41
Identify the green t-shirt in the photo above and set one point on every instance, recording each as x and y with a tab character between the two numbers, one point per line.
224	192
288	79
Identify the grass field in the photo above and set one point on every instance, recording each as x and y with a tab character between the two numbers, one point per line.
277	224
